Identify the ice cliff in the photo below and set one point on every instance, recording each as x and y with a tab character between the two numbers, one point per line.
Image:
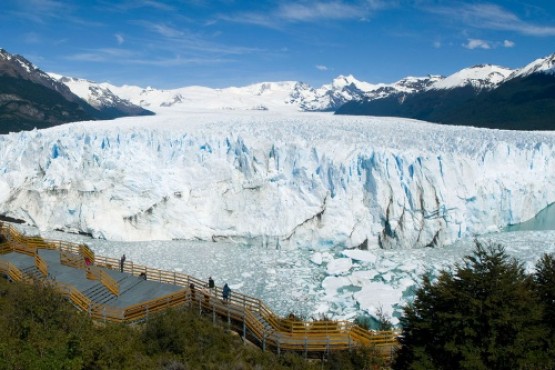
295	180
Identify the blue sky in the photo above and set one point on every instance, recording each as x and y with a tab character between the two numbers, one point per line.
169	44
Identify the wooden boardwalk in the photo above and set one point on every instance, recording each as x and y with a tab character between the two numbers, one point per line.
96	285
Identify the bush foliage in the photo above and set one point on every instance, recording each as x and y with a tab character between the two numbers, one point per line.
41	330
487	314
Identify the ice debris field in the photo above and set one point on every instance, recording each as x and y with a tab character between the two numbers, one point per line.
311	212
337	283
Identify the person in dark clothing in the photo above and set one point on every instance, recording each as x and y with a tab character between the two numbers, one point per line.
142	275
210	283
226	293
121	262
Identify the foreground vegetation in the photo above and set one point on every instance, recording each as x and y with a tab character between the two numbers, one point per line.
487	314
41	330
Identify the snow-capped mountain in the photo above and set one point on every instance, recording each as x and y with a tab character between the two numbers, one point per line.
31	98
287	95
260	96
17	67
482	96
101	98
542	65
485	76
343	89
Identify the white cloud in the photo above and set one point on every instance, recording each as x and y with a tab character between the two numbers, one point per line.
102	55
437	44
490	16
477	44
508	44
307	12
321	67
311	11
119	38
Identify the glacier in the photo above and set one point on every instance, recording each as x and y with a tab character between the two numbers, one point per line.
285	181
313	213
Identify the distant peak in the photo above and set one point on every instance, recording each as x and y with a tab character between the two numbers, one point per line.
541	65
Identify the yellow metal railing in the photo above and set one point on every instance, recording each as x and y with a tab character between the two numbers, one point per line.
86	253
11	270
41	265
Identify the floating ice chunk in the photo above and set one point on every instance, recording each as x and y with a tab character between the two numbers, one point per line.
339	266
358	255
359	278
331	284
236	285
316	258
374	296
387	277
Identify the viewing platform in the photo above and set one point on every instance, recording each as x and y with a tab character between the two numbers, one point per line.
96	285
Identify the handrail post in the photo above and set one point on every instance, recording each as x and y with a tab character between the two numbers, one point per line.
264	340
244	327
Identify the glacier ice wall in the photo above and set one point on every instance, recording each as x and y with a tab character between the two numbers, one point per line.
301	180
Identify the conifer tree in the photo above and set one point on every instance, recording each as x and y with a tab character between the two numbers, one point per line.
544	279
483	315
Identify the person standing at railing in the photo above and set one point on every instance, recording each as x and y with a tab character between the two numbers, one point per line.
226	293
122	262
211	284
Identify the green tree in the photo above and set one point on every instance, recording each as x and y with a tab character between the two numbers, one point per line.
544	279
484	315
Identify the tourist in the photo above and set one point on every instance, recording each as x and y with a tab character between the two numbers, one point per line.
122	262
226	293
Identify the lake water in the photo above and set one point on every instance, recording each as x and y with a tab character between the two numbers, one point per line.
544	220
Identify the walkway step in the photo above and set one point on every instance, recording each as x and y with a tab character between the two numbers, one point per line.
98	293
32	272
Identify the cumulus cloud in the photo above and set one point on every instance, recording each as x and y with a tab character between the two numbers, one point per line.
477	44
321	67
508	44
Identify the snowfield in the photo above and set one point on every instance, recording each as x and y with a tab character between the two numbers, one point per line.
314	213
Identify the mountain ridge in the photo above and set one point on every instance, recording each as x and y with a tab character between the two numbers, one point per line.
30	98
452	99
483	96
